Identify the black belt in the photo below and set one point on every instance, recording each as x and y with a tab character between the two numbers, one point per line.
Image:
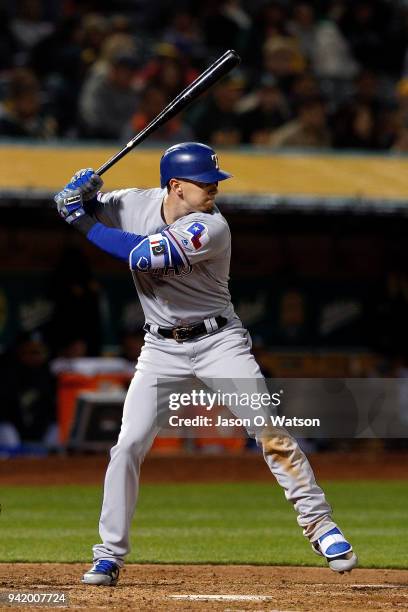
186	332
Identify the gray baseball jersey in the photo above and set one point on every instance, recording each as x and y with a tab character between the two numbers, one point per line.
173	296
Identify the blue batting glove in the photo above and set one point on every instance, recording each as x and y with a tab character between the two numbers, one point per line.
87	182
69	204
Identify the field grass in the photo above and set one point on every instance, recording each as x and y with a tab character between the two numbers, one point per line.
217	523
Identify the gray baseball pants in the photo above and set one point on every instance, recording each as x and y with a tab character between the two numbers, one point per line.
226	353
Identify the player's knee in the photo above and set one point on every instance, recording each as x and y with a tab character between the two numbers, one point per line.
131	446
278	443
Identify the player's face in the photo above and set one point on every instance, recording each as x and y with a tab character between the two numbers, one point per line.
199	197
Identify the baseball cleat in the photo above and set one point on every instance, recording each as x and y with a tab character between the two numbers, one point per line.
103	572
336	550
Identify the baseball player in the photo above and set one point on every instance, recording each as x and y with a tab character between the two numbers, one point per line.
178	246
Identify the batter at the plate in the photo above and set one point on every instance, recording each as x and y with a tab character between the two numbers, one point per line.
178	247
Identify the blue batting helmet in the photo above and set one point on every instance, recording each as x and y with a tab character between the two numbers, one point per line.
191	160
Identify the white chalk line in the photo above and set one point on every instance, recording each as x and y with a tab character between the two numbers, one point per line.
361	586
222	597
219	597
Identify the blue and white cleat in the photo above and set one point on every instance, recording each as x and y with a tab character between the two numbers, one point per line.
103	572
337	551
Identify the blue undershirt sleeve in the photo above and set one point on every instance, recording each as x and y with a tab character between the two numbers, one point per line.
142	252
114	241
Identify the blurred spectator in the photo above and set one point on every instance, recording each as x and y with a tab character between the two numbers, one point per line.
91	66
302	26
22	113
283	60
355	124
29	27
226	25
269	22
331	56
152	102
184	34
60	52
115	45
95	30
76	296
27	394
107	101
269	111
217	120
309	129
169	70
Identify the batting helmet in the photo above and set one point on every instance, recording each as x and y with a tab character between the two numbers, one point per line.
191	160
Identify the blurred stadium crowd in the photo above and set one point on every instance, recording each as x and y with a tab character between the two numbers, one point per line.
314	74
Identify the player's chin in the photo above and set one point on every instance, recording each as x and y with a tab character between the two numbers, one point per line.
208	205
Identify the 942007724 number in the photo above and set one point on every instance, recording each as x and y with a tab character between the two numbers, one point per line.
34	597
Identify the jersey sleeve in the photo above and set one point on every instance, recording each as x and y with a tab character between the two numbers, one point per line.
119	209
199	237
106	208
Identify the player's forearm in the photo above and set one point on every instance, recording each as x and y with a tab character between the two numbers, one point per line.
142	252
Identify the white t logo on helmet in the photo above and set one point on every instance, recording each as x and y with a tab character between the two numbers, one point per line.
215	160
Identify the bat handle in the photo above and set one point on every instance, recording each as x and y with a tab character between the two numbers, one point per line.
108	164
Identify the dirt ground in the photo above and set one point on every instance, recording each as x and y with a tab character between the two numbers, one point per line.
90	469
159	587
155	587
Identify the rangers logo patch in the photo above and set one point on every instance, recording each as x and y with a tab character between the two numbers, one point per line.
198	235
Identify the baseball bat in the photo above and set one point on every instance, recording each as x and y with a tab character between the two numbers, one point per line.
202	83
